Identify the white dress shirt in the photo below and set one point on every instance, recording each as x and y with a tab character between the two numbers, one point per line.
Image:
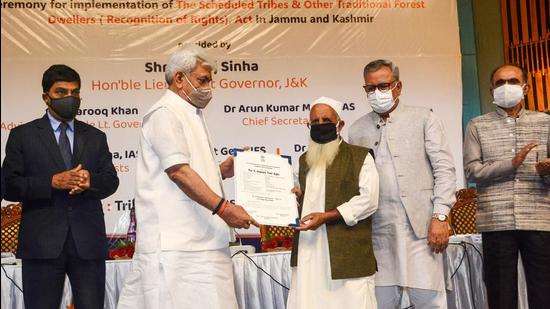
174	133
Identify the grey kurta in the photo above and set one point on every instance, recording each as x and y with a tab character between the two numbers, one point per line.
403	259
422	159
508	198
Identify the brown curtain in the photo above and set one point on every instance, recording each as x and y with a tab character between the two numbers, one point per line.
526	32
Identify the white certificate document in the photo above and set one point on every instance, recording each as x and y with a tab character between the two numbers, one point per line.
263	184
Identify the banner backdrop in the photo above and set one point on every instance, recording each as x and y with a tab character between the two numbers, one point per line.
274	57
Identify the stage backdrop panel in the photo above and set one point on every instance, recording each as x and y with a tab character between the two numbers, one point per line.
274	57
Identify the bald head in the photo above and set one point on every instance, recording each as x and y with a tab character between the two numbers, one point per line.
508	72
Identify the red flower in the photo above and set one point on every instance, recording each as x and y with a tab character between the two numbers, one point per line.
114	253
131	251
122	249
287	243
269	244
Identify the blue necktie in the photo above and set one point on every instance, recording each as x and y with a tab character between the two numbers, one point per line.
65	146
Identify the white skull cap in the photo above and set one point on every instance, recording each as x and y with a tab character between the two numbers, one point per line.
336	105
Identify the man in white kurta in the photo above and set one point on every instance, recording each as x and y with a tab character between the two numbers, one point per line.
182	257
417	186
312	283
404	259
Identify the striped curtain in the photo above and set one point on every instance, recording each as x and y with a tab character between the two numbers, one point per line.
526	29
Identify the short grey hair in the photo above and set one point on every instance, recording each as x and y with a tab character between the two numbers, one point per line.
185	59
375	65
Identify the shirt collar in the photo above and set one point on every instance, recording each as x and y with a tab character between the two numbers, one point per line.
55	123
503	113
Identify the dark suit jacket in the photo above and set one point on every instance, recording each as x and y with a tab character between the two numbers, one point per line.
32	158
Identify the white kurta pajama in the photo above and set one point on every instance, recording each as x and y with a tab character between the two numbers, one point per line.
403	259
312	285
182	257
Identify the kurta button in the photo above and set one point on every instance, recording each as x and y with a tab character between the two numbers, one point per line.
375	143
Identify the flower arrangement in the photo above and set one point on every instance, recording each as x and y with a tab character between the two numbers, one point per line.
122	249
276	243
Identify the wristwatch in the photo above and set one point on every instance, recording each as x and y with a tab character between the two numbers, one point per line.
440	217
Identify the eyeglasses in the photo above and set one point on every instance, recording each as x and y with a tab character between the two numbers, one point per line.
511	81
384	87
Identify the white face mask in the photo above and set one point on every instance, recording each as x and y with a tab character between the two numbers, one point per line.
507	96
381	101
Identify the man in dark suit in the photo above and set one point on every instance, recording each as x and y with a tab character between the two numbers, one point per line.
60	169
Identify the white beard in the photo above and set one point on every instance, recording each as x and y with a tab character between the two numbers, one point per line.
322	155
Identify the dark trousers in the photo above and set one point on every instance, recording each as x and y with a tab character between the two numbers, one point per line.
500	262
43	280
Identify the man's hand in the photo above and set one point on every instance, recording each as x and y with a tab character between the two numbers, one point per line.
315	219
68	180
83	185
522	154
236	216
227	167
312	221
298	192
543	167
438	236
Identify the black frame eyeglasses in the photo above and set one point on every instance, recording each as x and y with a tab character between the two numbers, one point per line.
384	87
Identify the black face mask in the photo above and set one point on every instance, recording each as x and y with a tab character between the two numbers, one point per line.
323	133
66	107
